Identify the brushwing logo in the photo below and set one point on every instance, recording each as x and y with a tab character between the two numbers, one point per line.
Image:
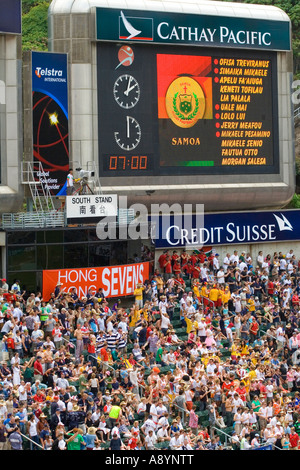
283	223
139	29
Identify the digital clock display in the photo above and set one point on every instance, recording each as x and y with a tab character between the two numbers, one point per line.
193	111
125	162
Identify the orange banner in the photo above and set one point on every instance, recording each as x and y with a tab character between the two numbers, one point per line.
116	281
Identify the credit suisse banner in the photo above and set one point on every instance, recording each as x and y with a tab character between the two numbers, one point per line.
116	281
227	228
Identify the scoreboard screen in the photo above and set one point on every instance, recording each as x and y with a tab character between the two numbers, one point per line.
191	111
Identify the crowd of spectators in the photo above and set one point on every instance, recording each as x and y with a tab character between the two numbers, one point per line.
204	358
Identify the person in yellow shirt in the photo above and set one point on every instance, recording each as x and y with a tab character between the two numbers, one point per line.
252	373
226	295
134	316
204	290
244	349
214	295
159	282
190	323
204	359
234	350
196	290
251	304
138	294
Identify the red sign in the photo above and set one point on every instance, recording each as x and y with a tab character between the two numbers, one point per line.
116	281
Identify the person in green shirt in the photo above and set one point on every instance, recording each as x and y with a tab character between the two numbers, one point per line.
159	355
297	427
256	404
45	310
83	381
46	410
76	440
114	414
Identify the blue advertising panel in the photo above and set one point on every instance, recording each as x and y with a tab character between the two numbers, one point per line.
10	16
226	228
197	30
50	118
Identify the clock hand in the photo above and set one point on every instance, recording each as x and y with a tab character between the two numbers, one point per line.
128	86
128	132
131	88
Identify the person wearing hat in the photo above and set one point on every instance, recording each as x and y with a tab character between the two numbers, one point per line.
91	438
4	285
57	290
38	368
76	441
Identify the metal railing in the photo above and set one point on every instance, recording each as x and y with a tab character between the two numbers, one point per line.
227	436
25	220
297	112
30	440
208	300
35	177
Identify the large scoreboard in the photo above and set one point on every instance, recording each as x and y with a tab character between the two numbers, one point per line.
186	102
164	111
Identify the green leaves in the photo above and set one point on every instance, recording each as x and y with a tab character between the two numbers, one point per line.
35	24
292	9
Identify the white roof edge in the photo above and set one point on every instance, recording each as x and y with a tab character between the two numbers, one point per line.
200	7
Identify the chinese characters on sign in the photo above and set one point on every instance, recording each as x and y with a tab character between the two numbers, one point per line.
92	206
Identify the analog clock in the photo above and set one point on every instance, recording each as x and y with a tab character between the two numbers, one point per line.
129	136
126	91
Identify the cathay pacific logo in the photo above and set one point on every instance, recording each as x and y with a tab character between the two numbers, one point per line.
135	28
283	223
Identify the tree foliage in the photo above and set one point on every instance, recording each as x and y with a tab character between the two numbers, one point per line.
292	9
35	25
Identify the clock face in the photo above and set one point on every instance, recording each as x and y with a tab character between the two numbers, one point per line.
126	91
129	135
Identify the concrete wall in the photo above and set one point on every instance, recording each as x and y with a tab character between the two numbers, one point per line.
11	191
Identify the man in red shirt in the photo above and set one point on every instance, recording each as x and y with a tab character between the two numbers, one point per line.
133	441
227	385
196	271
201	257
39	397
241	390
104	356
175	257
177	267
271	288
9	296
167	267
179	281
162	259
194	258
253	329
294	440
38	369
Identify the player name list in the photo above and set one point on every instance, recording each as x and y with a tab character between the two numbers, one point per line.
243	111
